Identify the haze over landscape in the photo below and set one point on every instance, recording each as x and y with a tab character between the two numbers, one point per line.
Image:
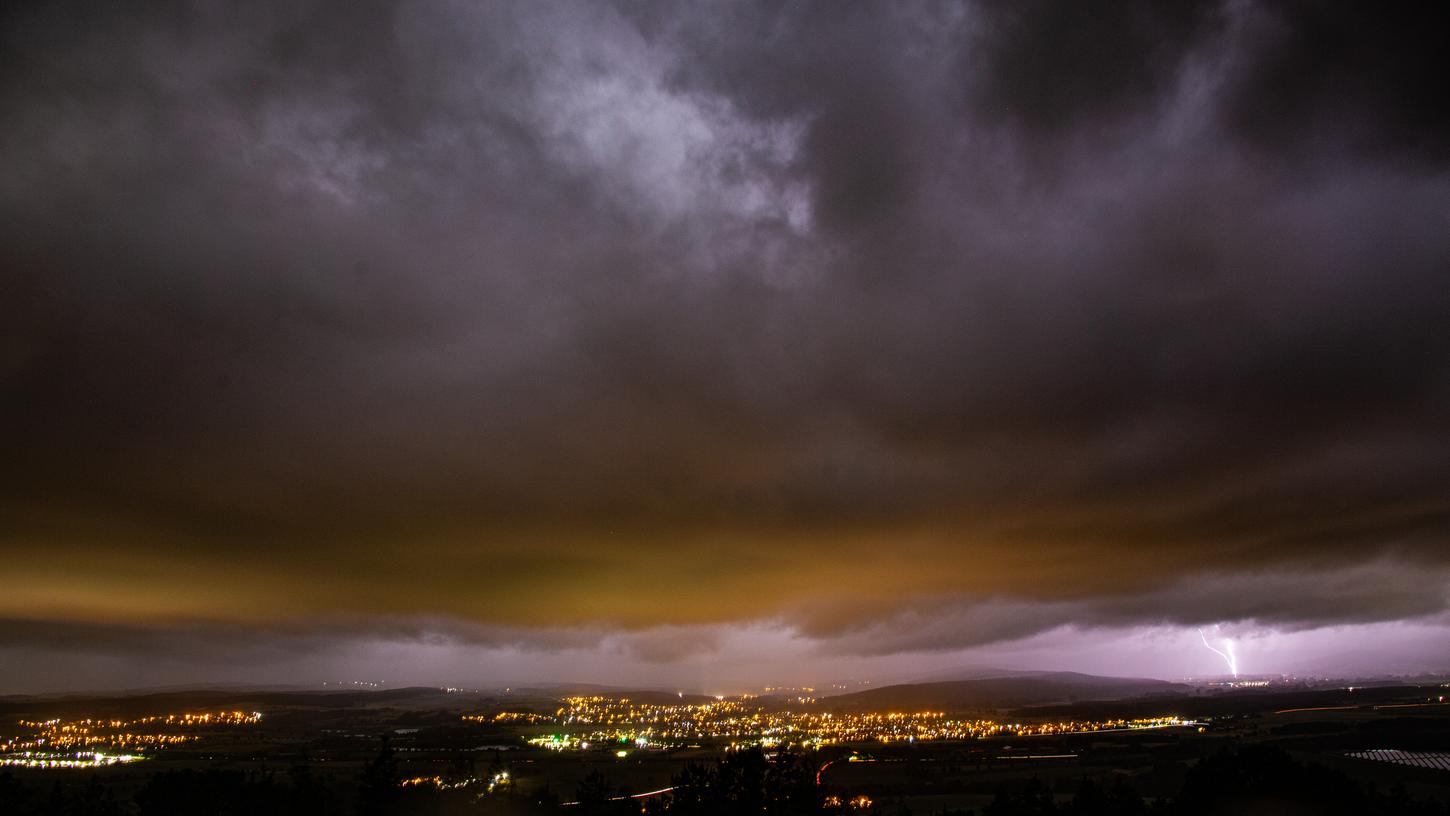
721	346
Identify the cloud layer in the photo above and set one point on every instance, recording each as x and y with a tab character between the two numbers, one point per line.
874	322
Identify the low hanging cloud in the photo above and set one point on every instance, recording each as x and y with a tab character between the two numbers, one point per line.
1280	601
959	321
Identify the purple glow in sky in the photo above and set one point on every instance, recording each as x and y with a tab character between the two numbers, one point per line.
741	660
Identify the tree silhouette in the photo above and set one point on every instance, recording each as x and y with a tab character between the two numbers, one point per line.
596	795
790	786
378	792
1029	799
1256	778
14	797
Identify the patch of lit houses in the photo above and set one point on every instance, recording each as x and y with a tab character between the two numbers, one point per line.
94	743
585	723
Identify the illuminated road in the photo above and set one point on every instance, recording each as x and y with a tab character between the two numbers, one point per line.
644	795
1318	708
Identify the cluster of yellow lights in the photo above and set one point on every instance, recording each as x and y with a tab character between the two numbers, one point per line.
508	716
599	721
494	782
79	743
48	759
861	802
209	718
435	782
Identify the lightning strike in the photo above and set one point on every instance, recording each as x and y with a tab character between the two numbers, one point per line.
1227	653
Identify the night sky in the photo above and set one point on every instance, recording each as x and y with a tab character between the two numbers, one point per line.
720	343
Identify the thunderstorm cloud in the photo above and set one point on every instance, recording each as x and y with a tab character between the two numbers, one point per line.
890	328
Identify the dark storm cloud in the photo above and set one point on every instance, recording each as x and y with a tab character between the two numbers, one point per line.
544	316
1274	600
1050	68
227	643
1346	75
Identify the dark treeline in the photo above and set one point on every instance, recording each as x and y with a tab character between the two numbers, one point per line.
1239	780
1242	780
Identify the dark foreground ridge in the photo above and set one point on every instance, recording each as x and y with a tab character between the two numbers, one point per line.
1238	779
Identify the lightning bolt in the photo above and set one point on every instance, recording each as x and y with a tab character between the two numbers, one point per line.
1228	656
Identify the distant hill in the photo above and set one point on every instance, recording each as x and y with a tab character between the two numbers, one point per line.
1019	689
968	673
639	695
